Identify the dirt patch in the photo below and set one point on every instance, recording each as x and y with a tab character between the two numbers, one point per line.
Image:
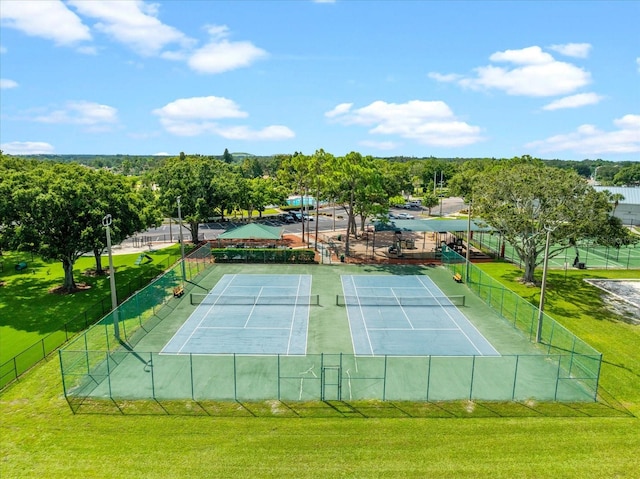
92	273
62	291
621	296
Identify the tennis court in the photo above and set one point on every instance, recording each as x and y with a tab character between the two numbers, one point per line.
248	314
408	315
248	332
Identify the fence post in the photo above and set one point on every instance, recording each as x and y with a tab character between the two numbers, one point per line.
555	395
473	370
279	377
193	396
153	382
235	379
64	386
108	373
384	381
515	378
428	377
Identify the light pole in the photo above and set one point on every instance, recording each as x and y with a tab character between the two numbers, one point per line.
544	284
595	175
466	278
106	222
440	194
184	272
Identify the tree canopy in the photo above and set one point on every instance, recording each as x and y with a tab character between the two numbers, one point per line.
523	199
56	210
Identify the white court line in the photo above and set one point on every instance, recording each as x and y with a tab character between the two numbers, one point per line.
206	315
253	308
403	311
293	316
463	332
414	329
242	327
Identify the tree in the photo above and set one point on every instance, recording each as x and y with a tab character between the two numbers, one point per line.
358	185
52	210
131	206
628	175
227	157
202	184
523	199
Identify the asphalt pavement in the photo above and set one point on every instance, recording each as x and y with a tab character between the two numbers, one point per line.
329	219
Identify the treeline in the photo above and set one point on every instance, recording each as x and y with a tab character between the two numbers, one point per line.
608	173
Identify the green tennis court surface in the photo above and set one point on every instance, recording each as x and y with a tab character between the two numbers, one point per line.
498	363
408	316
248	314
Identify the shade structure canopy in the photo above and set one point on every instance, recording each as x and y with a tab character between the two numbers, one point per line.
253	231
433	226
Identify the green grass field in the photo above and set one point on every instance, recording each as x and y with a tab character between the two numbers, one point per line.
33	318
41	437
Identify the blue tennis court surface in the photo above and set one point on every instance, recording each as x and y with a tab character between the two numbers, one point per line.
388	315
264	325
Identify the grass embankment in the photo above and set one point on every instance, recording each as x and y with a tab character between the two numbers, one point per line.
40	436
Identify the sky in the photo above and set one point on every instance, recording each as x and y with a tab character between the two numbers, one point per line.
550	79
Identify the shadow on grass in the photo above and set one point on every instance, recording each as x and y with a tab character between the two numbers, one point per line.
352	409
29	306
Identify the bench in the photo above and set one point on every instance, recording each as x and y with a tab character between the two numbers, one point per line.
178	291
457	278
21	266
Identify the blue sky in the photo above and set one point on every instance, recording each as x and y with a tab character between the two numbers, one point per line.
551	79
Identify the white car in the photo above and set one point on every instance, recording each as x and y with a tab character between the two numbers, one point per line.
404	216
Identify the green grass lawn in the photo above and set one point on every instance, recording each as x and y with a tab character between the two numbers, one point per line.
29	312
577	305
41	437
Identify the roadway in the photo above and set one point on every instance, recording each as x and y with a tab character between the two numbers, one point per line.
329	219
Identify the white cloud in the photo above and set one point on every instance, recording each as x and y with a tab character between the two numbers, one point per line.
536	73
200	108
380	145
273	132
638	63
577	50
525	56
49	19
26	148
589	140
574	101
222	56
132	23
448	78
426	122
201	115
94	116
5	84
340	109
161	153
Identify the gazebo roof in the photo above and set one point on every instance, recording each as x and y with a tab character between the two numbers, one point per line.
253	231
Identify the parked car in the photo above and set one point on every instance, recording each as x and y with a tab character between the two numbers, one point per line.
404	216
307	217
287	218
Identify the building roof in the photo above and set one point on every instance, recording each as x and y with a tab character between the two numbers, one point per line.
631	194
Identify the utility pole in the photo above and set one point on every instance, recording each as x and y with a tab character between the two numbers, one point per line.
106	222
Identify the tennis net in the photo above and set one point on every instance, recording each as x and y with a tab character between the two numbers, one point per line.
458	300
199	298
